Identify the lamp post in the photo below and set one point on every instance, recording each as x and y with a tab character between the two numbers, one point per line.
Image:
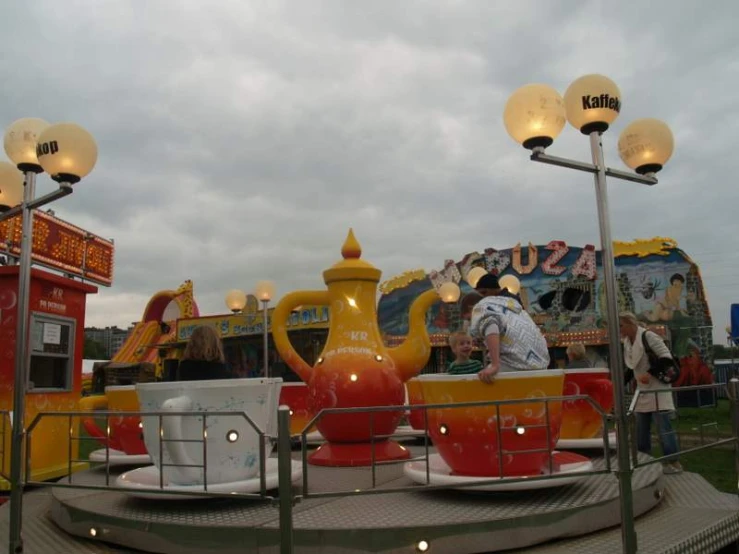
67	153
235	300
474	274
264	291
534	116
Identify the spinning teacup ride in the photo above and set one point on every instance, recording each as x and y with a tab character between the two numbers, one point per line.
218	453
124	438
582	423
513	435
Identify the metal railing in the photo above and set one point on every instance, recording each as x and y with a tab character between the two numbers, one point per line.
496	404
5	429
162	440
287	497
731	390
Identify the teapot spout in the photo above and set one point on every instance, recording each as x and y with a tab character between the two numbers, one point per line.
413	353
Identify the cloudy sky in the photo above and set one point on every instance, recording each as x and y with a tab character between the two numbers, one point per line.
239	140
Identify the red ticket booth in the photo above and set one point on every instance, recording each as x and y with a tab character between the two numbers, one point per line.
56	336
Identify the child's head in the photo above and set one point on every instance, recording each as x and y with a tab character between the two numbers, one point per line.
461	345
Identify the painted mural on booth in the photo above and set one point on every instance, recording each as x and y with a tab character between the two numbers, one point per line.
562	288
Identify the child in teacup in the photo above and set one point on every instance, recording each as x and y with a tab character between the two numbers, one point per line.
461	345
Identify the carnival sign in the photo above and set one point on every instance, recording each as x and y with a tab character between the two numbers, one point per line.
62	246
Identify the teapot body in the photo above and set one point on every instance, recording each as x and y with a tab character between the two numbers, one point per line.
354	370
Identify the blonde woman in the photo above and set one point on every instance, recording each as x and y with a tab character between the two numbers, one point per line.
649	406
203	358
576	356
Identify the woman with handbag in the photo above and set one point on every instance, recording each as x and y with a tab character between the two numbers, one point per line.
638	342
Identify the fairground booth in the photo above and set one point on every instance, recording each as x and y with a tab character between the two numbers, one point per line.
562	288
56	332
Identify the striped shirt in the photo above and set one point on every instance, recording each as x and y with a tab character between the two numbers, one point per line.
461	368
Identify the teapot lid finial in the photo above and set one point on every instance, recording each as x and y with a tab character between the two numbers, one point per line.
351	247
352	267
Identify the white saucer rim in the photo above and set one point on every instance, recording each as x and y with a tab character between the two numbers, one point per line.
418	475
116	457
315	437
253	485
597	442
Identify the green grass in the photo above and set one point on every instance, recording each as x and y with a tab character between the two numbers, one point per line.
715	465
711	420
702	426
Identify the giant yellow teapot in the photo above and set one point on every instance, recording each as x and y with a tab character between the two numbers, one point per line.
355	369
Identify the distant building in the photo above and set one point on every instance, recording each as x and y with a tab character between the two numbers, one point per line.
111	338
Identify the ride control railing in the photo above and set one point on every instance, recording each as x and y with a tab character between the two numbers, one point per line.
6	427
74	436
502	452
709	432
287	496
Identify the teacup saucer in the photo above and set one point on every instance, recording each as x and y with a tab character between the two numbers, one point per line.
409	432
440	473
587	444
406	431
118	458
139	482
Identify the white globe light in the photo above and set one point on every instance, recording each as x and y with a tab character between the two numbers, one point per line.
235	300
449	292
592	102
265	290
11	186
67	152
646	145
20	142
474	275
534	115
510	282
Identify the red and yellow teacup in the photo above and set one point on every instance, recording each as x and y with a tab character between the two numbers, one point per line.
580	420
126	434
468	438
295	396
416	418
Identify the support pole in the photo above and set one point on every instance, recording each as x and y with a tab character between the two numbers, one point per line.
733	390
628	532
284	469
21	371
265	324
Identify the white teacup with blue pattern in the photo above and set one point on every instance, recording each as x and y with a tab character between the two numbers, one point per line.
229	443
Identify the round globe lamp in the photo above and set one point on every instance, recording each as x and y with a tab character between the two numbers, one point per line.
534	115
11	186
20	141
510	282
449	292
474	275
646	145
592	102
235	300
67	152
265	290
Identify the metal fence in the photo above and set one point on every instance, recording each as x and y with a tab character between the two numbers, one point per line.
287	497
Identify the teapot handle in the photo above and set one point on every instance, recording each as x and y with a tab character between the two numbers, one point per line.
279	327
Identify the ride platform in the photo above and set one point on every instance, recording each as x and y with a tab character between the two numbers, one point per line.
676	513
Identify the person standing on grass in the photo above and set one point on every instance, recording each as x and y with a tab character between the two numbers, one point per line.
650	406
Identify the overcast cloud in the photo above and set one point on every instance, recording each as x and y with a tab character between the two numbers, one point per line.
239	140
